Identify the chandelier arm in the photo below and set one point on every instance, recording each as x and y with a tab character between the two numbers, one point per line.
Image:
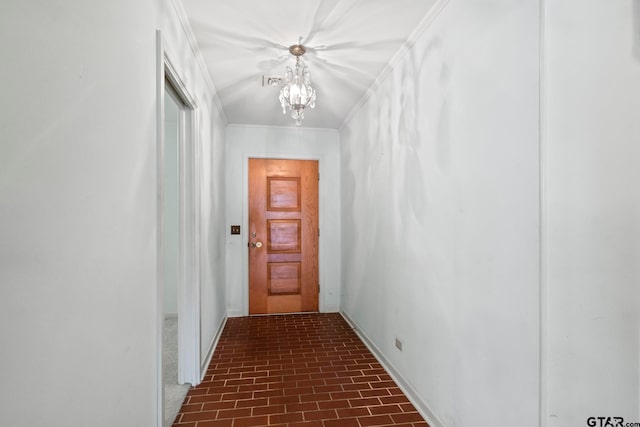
286	99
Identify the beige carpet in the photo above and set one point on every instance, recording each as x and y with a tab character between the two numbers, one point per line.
174	393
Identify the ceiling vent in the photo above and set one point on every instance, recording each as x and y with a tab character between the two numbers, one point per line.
270	81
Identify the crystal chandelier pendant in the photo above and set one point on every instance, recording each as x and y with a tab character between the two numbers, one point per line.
297	93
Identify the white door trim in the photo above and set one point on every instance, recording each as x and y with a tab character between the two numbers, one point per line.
190	158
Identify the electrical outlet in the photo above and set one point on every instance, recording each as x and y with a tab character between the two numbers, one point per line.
235	229
398	344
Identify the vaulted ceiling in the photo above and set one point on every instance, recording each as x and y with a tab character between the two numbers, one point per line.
348	42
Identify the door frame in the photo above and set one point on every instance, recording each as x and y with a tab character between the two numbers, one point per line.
189	178
322	195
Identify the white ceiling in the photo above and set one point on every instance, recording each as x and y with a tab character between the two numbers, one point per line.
348	42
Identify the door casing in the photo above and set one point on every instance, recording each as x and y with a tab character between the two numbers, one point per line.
303	253
189	153
322	192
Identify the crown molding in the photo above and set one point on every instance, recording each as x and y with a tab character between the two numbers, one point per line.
191	38
424	24
289	128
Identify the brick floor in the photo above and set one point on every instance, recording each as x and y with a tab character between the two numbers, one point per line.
297	370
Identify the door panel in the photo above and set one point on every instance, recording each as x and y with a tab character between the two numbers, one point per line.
283	236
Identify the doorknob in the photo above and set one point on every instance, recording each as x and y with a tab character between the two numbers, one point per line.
256	245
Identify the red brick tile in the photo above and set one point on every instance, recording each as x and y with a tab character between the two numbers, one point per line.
298	391
252	402
356	386
337	380
394	399
385	377
407	407
199	416
228	376
302	407
407	417
196	391
251	421
245	381
378	392
268	379
205	398
334	404
283	400
194	407
306	424
237	396
285	418
308	370
312	383
343	422
315	397
367	379
385	409
268	410
254	374
234	413
327	388
215	423
379	371
345	395
213	406
353	412
364	402
253	387
375	420
320	415
383	384
268	393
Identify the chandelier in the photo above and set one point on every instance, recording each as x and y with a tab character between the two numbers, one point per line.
297	93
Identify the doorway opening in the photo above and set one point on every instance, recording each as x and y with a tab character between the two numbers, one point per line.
175	389
178	249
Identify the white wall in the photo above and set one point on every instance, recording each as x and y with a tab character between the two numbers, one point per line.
78	170
592	210
440	177
213	290
244	142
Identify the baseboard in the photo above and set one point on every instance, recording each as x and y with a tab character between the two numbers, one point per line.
404	385
212	348
331	309
234	313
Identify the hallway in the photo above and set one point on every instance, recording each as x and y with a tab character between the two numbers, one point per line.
478	203
295	370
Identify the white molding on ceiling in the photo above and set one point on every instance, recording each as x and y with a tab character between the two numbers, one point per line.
191	38
424	24
291	128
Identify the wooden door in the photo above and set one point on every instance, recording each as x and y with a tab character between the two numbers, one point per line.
283	236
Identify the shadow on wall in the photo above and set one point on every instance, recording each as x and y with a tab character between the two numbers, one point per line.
399	255
387	186
636	29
